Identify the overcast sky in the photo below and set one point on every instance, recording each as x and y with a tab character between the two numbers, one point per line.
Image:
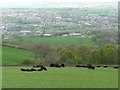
58	1
27	3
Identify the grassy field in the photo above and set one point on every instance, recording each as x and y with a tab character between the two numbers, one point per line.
56	40
14	56
68	77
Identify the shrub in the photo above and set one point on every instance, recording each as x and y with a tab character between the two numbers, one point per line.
27	62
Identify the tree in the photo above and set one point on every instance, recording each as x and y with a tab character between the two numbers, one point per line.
111	54
82	52
94	57
105	37
103	55
41	51
66	56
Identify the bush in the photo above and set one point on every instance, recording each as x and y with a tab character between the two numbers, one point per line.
28	62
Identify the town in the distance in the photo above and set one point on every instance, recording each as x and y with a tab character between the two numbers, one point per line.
27	22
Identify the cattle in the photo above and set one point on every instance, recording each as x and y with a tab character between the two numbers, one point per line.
32	69
51	65
37	66
98	66
23	69
62	65
29	70
57	65
26	69
43	68
116	67
105	66
89	66
82	66
78	65
39	70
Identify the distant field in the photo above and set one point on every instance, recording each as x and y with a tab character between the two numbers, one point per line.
57	40
68	77
14	56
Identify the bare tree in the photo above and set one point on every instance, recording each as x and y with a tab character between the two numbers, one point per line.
41	52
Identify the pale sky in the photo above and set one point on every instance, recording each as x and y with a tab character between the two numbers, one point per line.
6	1
20	3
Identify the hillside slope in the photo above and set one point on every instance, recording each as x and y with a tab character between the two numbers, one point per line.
12	56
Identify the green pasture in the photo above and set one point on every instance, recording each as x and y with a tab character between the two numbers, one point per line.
56	40
68	77
14	56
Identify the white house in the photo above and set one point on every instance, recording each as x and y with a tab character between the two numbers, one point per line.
47	35
75	34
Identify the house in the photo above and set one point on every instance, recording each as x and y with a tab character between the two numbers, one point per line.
75	34
47	35
25	32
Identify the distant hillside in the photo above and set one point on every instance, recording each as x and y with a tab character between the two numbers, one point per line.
55	40
37	21
11	56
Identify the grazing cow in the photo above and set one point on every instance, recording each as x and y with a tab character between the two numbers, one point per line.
78	65
43	68
29	70
52	65
98	66
62	65
57	65
23	69
84	66
37	66
91	67
115	67
33	69
39	70
105	66
26	69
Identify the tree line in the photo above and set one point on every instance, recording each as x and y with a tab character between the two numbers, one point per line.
74	54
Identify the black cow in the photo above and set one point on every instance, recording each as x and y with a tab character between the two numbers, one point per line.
89	66
57	65
105	66
26	69
33	69
98	66
37	66
42	68
23	69
115	67
62	65
84	66
78	65
52	65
